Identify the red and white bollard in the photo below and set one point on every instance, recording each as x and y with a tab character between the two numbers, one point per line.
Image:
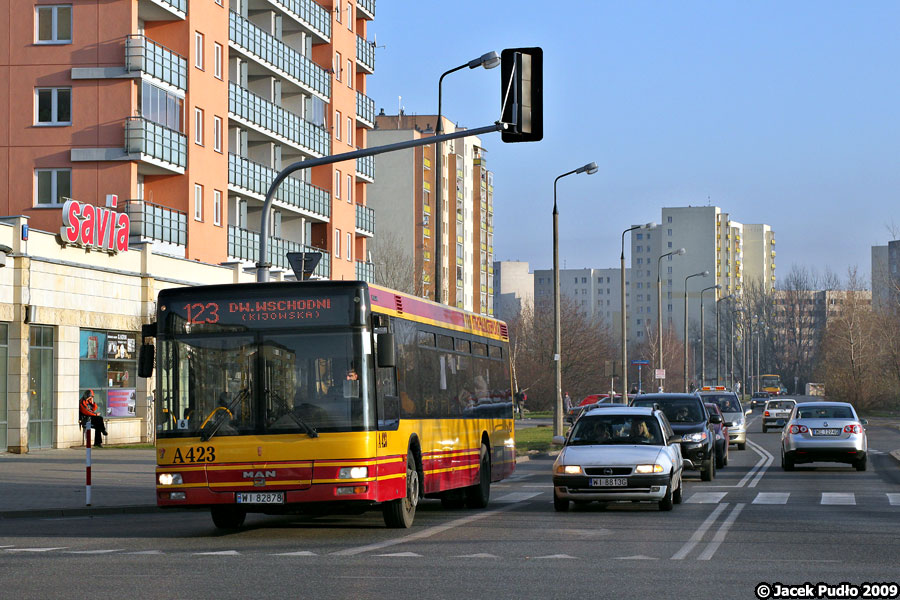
87	466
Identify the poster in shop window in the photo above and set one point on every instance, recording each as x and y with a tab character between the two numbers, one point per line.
120	346
120	402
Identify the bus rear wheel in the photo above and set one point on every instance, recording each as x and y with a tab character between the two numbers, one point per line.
478	496
399	513
228	517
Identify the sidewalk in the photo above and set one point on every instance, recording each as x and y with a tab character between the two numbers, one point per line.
51	483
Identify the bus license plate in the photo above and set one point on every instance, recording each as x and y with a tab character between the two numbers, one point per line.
609	482
260	498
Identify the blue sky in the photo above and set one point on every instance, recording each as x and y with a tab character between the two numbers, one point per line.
786	113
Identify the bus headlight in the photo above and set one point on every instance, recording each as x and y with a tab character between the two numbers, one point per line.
353	473
170	479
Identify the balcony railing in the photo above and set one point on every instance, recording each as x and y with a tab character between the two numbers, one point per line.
368	7
155	141
365	54
151	221
254	41
145	55
179	6
365	271
272	118
365	109
365	167
244	244
309	13
255	177
365	219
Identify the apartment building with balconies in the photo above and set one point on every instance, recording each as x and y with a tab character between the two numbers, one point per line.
181	114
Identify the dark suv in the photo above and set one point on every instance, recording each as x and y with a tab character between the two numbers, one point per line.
690	419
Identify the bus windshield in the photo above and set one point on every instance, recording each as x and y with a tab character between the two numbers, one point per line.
270	382
771	381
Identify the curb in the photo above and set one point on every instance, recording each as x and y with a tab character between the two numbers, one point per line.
539	455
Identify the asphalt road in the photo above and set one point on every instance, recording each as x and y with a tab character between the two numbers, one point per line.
754	523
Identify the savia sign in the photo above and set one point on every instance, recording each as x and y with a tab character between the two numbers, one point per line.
95	226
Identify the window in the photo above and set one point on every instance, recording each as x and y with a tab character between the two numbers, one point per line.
217	57
669	232
51	186
669	270
198	126
337	243
107	365
198	50
349	16
217	208
350	131
337	184
53	106
349	246
198	202
349	73
217	134
640	261
670	244
338	65
640	236
53	24
349	189
337	10
669	219
337	124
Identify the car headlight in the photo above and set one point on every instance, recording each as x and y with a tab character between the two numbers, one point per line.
643	469
568	470
170	479
694	437
353	473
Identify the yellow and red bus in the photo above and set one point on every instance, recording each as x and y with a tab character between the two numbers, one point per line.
326	396
772	383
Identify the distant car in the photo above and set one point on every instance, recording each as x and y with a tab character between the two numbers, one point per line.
619	453
759	399
720	430
690	419
732	411
591	400
777	412
824	432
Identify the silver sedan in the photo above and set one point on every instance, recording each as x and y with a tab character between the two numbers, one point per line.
824	432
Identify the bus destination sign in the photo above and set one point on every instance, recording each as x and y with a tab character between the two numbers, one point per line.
260	311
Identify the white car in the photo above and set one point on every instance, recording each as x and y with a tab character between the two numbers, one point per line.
824	432
619	453
777	412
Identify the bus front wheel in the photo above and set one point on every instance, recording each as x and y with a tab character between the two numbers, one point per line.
399	513
228	517
478	496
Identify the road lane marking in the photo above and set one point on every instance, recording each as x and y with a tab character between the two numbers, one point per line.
401	555
771	498
701	531
554	556
300	553
430	531
220	553
768	458
35	549
706	498
515	497
145	552
838	498
92	551
635	557
721	533
894	499
479	555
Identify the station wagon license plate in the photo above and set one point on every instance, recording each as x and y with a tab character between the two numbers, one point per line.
260	498
826	431
609	482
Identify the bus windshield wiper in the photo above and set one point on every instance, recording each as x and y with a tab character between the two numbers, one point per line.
309	429
217	417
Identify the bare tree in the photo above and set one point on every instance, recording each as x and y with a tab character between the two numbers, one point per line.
395	267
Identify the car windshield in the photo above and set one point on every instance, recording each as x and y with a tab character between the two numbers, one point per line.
825	412
677	410
616	429
781	404
727	402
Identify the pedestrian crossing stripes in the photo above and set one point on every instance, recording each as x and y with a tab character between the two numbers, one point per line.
771	498
840	498
894	499
825	499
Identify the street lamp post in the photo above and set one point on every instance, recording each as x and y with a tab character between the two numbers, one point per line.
686	341
488	61
659	361
625	311
590	169
703	334
718	360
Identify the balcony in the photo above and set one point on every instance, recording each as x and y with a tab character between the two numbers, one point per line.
146	56
365	169
251	178
278	56
272	120
365	55
163	150
308	14
367	8
157	223
243	244
365	110
365	271
365	220
162	10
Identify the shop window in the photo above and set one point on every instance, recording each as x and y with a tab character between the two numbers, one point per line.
40	386
107	364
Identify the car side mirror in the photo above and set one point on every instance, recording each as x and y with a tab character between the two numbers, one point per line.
715	419
748	411
558	440
673	439
863	422
729	424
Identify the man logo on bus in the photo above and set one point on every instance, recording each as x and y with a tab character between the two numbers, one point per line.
258	474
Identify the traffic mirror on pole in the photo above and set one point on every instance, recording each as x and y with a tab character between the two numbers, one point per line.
522	94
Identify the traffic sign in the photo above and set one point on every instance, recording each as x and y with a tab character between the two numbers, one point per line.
660	374
640	362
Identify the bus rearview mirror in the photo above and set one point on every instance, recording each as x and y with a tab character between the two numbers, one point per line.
386	356
145	360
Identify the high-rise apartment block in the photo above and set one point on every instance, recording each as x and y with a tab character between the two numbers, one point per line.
403	201
513	289
885	274
596	292
180	114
